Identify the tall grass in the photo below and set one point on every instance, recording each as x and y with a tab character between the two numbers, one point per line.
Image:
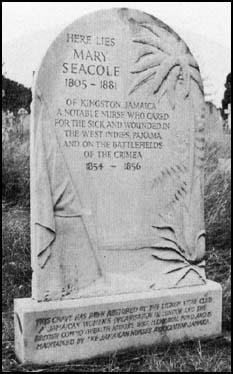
217	203
16	267
15	170
217	197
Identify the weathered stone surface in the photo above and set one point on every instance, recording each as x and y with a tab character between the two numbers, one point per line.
117	154
63	331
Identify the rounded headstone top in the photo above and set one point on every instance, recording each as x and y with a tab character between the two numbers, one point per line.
139	50
22	112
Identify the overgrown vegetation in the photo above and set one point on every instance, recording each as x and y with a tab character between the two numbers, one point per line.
16	269
227	96
217	197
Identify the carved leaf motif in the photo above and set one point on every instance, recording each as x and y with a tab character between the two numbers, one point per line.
186	270
192	251
160	54
174	175
200	141
163	60
184	186
168	253
181	265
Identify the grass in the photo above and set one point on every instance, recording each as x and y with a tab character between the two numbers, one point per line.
217	198
212	355
15	170
16	271
207	356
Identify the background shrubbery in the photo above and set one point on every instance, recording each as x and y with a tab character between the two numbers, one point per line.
15	96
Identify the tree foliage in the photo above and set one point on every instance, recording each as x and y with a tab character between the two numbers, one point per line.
15	96
227	96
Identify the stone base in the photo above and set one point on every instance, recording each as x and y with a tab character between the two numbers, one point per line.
64	331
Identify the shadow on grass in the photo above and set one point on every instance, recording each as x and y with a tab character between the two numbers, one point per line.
210	356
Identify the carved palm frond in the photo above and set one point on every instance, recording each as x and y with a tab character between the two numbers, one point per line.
164	58
163	61
181	181
175	177
200	141
173	237
178	263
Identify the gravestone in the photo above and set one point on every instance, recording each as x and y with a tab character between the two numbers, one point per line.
10	126
5	135
22	114
10	120
224	164
213	124
117	221
228	121
23	123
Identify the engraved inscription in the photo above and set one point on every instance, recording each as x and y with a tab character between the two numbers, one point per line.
110	324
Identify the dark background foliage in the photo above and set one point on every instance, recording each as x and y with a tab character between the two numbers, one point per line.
16	96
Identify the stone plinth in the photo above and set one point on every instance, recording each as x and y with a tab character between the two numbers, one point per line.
68	330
